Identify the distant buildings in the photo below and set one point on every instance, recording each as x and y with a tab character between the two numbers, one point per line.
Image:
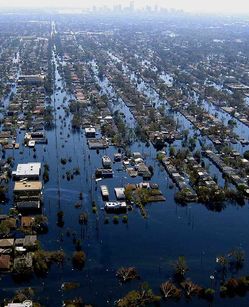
31	79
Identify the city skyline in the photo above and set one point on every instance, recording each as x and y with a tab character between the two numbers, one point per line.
189	6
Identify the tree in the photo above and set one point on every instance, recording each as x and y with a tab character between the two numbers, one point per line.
232	286
79	259
172	151
232	123
126	274
246	154
45	175
60	216
4	228
48	116
180	266
208	294
238	257
141	297
24	294
3	190
222	262
169	290
190	288
151	170
43	259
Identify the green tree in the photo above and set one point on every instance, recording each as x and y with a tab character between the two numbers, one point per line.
180	266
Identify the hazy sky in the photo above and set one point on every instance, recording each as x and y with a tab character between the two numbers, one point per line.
226	6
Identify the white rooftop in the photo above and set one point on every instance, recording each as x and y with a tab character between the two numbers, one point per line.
26	303
28	169
91	130
108	117
120	193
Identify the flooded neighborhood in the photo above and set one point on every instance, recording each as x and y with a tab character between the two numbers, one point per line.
124	171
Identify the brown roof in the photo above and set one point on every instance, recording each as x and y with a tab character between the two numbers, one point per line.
27	186
6	242
4	262
26	221
11	222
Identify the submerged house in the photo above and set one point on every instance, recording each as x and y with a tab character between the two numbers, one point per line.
143	170
5	262
24	261
90	132
27	171
107	162
113	206
31	79
36	136
120	193
104	191
28	194
103	173
6	246
26	303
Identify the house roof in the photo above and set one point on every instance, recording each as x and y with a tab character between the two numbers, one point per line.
30	240
27	186
26	303
19	241
26	221
120	193
3	216
6	242
4	262
28	169
90	130
25	260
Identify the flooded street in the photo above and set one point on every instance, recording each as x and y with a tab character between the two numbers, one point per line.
99	99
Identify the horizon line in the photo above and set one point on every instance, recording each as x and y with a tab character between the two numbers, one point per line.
111	9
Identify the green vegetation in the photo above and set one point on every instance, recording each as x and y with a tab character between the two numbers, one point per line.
66	286
63	161
169	290
60	218
49	116
141	297
24	294
46	173
106	221
125	219
42	260
191	289
5	228
79	259
235	286
127	274
115	219
180	266
94	207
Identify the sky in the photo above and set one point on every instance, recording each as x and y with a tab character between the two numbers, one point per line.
204	6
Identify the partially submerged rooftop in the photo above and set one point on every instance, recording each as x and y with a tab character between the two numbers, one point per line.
27	170
27	186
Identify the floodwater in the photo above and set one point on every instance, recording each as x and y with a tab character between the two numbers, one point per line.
151	245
